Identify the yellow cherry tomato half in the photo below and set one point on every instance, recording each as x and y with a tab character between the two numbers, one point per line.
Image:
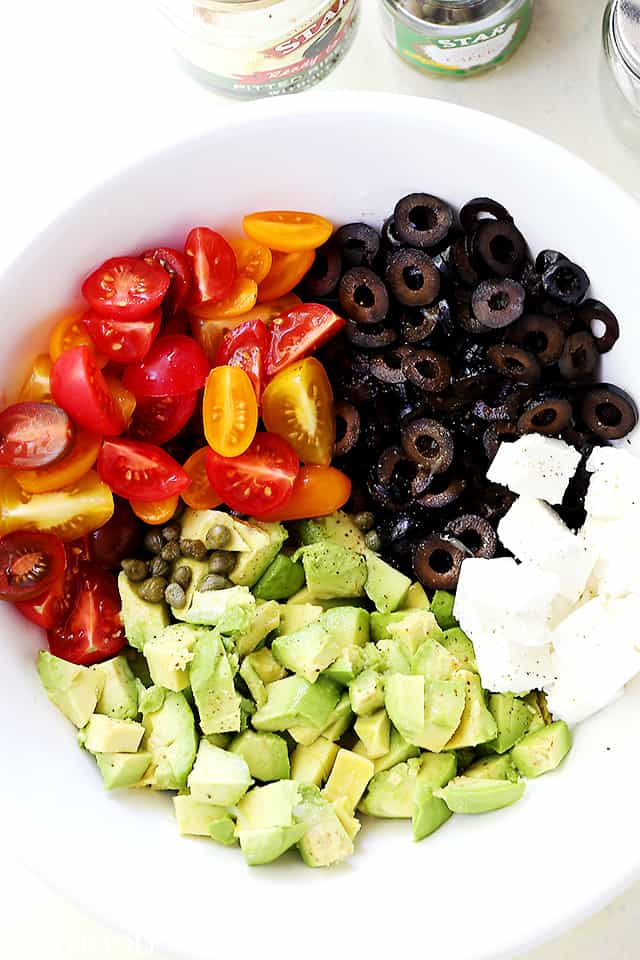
287	270
254	259
157	511
317	492
210	333
229	411
125	400
242	298
71	332
200	495
37	386
298	405
65	472
287	230
271	309
70	513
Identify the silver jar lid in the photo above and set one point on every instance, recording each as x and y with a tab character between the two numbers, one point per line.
626	32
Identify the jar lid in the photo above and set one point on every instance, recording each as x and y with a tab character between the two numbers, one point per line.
452	11
626	28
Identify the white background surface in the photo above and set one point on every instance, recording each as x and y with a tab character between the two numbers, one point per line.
87	88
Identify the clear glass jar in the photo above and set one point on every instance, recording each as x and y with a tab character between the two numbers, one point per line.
456	38
621	36
260	48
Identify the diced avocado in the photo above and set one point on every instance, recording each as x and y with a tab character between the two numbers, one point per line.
266	620
434	661
536	701
386	587
256	687
493	768
442	608
429	812
513	719
349	777
106	735
197	523
405	703
476	724
350	823
347	666
427	714
138	666
280	580
373	659
332	571
304	736
476	795
460	647
150	699
140	618
119	697
340	719
260	847
266	755
375	734
542	751
395	658
307	652
296	701
390	793
266	665
122	769
337	527
265	541
270	806
223	831
75	690
416	598
170	738
194	817
413	629
325	841
366	693
348	625
169	654
380	624
399	750
199	569
211	677
218	776
436	769
231	610
295	616
221	740
312	764
466	755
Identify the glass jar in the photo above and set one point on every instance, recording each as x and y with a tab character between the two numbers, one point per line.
456	38
621	35
260	48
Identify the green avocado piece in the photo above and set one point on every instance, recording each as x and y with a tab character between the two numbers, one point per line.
399	750
427	714
269	806
169	654
260	847
281	580
313	763
325	841
170	738
106	735
296	701
265	541
307	652
266	755
339	720
542	751
347	666
416	598
374	732
413	629
265	621
119	697
513	719
380	623
255	685
434	661
476	795
231	610
349	778
366	693
429	812
295	616
386	587
140	618
436	769
75	690
460	647
194	818
348	625
338	527
332	571
442	608
476	724
539	716
223	831
493	768
150	699
218	777
266	665
405	703
390	793
122	769
211	676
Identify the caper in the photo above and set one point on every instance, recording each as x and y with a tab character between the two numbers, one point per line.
175	595
372	540
136	570
159	567
153	589
218	536
183	576
195	549
213	581
364	521
153	541
222	561
171	551
171	531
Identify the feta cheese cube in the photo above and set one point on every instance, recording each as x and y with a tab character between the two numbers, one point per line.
616	572
614	488
535	466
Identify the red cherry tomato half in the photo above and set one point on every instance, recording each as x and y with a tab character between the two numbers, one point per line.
213	263
140	471
34	435
174	365
159	419
177	266
126	288
30	563
257	481
120	537
52	607
123	341
92	631
246	347
298	333
78	386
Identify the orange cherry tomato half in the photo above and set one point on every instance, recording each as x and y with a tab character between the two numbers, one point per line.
71	332
123	398
254	259
156	512
271	309
70	513
200	495
37	386
242	298
287	230
317	492
65	472
229	411
287	270
210	333
298	405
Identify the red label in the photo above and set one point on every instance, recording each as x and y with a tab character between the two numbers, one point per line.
291	44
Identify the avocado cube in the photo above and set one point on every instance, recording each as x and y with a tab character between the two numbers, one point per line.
513	719
350	823
197	523
122	769
413	629
325	841
347	666
231	610
416	598
338	527
386	587
296	701
119	697
266	665
295	616
374	732
304	736
366	693
312	764
223	831
307	652
476	724
542	751
380	623
194	817
339	720
436	769
534	706
405	703
399	750
280	580
332	571
493	768
460	647
270	806
390	793
266	755
349	778
260	847
140	618
75	690
256	687
218	776
427	714
265	621
106	735
442	608
169	654
150	699
170	737
211	678
475	795
265	541
429	812
434	661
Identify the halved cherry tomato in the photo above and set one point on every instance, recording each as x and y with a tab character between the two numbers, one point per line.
272	308
30	563
298	405
229	411
287	270
200	495
93	630
213	263
177	266
317	492
159	419
65	472
126	288
123	341
241	298
53	606
156	512
123	398
300	332
209	333
37	386
34	435
246	347
259	480
70	513
174	365
140	471
254	259
70	332
287	230
80	388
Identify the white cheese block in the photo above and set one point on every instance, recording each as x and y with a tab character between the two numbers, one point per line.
614	488
535	466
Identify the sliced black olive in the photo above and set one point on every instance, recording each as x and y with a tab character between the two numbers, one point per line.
412	277
363	296
429	444
444	489
550	416
324	274
438	561
371	337
514	362
502	406
461	264
428	370
420	322
422	220
580	357
499	247
389	235
603	324
492	501
499	432
482	208
547	258
388	367
565	282
475	533
609	412
498	303
541	335
347	427
358	244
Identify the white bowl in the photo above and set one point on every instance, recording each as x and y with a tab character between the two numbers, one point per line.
481	887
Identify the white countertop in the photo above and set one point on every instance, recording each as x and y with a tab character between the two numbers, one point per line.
88	87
